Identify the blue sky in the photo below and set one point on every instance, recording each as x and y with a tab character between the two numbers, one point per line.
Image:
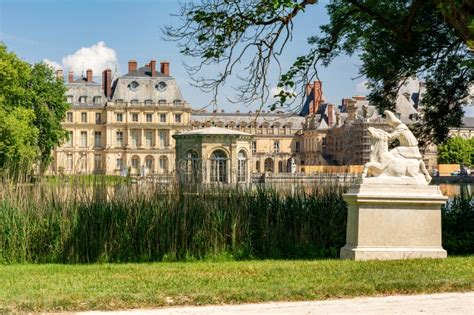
53	29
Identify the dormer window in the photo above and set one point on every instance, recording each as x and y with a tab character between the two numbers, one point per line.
162	102
161	86
97	100
70	99
82	99
177	102
148	102
133	85
134	102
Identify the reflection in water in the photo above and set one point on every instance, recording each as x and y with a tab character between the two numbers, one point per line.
452	190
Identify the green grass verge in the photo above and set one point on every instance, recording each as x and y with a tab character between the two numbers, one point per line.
121	286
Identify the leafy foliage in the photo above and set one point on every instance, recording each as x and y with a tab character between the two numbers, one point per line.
456	150
395	40
32	107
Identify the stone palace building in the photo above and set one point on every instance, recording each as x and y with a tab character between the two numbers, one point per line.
129	125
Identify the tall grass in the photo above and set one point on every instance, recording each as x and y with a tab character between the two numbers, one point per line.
77	223
94	221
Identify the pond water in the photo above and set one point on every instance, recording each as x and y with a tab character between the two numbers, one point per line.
452	190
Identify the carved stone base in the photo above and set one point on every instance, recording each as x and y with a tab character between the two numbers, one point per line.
393	222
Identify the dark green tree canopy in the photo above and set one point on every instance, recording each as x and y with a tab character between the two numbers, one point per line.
395	40
32	108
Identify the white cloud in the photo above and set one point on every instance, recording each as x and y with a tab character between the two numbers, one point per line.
96	57
362	88
52	64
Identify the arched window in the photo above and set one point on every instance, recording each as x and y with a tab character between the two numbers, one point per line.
218	167
257	166
163	164
149	164
192	166
241	166
280	167
135	164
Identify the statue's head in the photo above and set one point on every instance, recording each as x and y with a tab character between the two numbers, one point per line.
392	119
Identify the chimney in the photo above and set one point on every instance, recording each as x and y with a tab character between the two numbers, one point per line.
317	96
330	114
309	88
107	83
165	68
152	67
89	75
70	77
132	65
59	75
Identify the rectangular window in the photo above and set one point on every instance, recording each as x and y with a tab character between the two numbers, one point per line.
97	100
119	164
162	102
163	118
98	118
163	139
297	146
69	117
119	117
82	99
177	118
276	146
70	99
84	139
119	138
134	136
97	139
149	138
97	162
84	117
135	117
69	162
69	142
149	117
254	147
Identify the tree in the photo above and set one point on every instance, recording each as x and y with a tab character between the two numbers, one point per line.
395	40
456	150
32	107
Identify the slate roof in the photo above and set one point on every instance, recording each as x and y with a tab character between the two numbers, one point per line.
270	118
83	80
143	72
214	131
468	122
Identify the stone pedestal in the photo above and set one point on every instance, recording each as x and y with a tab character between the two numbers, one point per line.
393	221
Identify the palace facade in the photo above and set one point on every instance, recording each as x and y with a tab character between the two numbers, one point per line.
127	125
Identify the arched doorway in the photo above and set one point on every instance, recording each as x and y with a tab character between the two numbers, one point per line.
135	165
149	165
163	164
218	167
241	167
269	165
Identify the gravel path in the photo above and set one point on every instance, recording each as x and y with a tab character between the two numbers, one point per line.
445	303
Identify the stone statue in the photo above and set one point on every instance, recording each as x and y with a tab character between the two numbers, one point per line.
403	164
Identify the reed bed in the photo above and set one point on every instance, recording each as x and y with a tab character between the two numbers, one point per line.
88	221
85	223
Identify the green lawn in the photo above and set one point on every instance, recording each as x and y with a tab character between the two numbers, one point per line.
121	286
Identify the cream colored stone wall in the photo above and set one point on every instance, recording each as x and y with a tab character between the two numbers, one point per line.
142	139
